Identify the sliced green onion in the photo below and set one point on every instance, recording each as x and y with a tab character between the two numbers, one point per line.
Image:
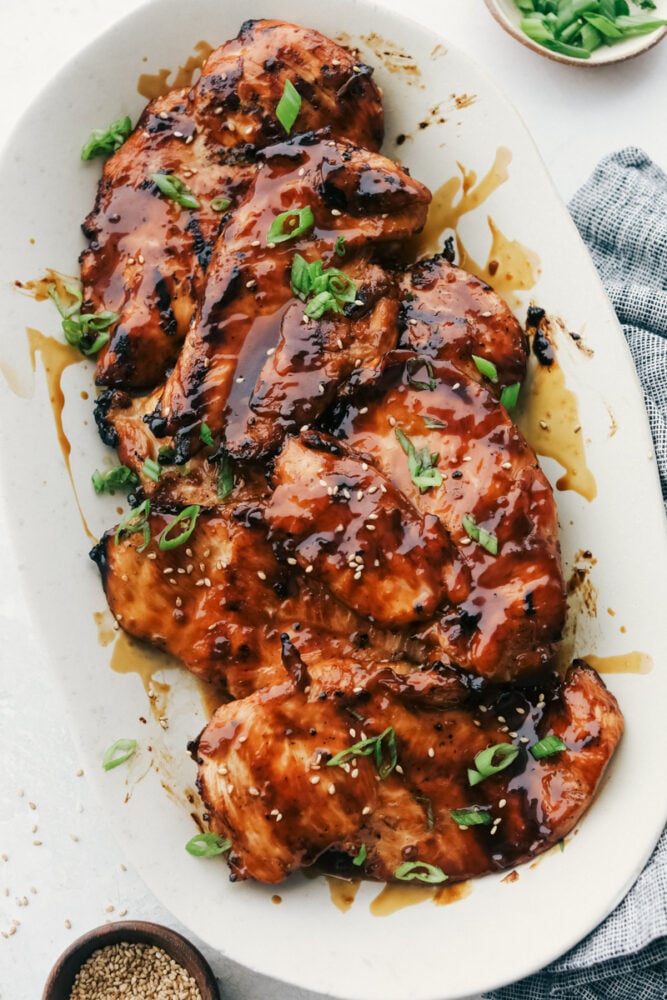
471	816
510	395
89	332
104	141
421	463
504	753
66	310
416	364
205	434
118	753
173	187
421	871
225	478
220	204
207	845
486	368
151	470
480	535
382	747
189	514
288	106
359	859
576	28
118	478
339	246
324	302
136	520
547	746
434	424
289	225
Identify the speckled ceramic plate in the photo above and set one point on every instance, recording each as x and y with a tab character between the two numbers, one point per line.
442	112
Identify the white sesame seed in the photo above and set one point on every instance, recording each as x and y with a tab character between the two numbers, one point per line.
501	718
332	789
336	211
309	569
261	574
502	803
314	780
253	791
366	810
291	561
506	465
255	243
431	752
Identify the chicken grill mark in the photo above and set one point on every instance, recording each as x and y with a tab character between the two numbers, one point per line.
332	585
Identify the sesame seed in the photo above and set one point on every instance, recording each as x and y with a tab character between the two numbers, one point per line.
68	924
501	718
315	779
253	791
483	708
466	540
240	379
431	752
520	711
502	803
255	243
399	769
544	425
332	789
336	211
513	735
309	569
339	344
392	421
366	810
270	351
261	574
179	135
523	739
506	465
291	561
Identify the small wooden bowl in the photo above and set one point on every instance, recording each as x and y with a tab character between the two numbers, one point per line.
61	978
508	17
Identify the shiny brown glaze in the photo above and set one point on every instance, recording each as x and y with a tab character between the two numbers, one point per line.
221	602
450	315
513	617
148	256
266	781
352	529
243	81
353	193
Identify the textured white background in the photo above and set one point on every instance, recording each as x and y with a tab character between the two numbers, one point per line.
575	116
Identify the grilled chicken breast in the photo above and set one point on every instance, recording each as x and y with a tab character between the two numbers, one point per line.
281	778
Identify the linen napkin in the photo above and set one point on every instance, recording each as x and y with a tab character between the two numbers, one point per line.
621	214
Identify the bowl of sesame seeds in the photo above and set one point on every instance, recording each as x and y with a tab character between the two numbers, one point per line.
132	960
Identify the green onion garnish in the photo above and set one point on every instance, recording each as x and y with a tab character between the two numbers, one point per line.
421	463
118	478
324	290
510	395
383	748
118	753
136	520
428	808
547	746
421	871
288	106
471	816
173	187
504	753
289	225
339	246
359	859
576	28
225	478
66	310
434	424
220	204
205	434
151	470
480	535
103	142
189	514
416	364
207	845
486	368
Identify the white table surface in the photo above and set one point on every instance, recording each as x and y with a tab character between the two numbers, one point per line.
63	872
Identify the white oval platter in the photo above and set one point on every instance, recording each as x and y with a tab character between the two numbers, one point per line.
499	932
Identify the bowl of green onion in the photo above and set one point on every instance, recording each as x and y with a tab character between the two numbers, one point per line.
584	32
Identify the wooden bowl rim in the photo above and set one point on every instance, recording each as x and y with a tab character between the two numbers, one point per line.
61	977
494	7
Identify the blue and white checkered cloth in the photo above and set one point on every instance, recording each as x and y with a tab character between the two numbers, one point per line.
621	213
